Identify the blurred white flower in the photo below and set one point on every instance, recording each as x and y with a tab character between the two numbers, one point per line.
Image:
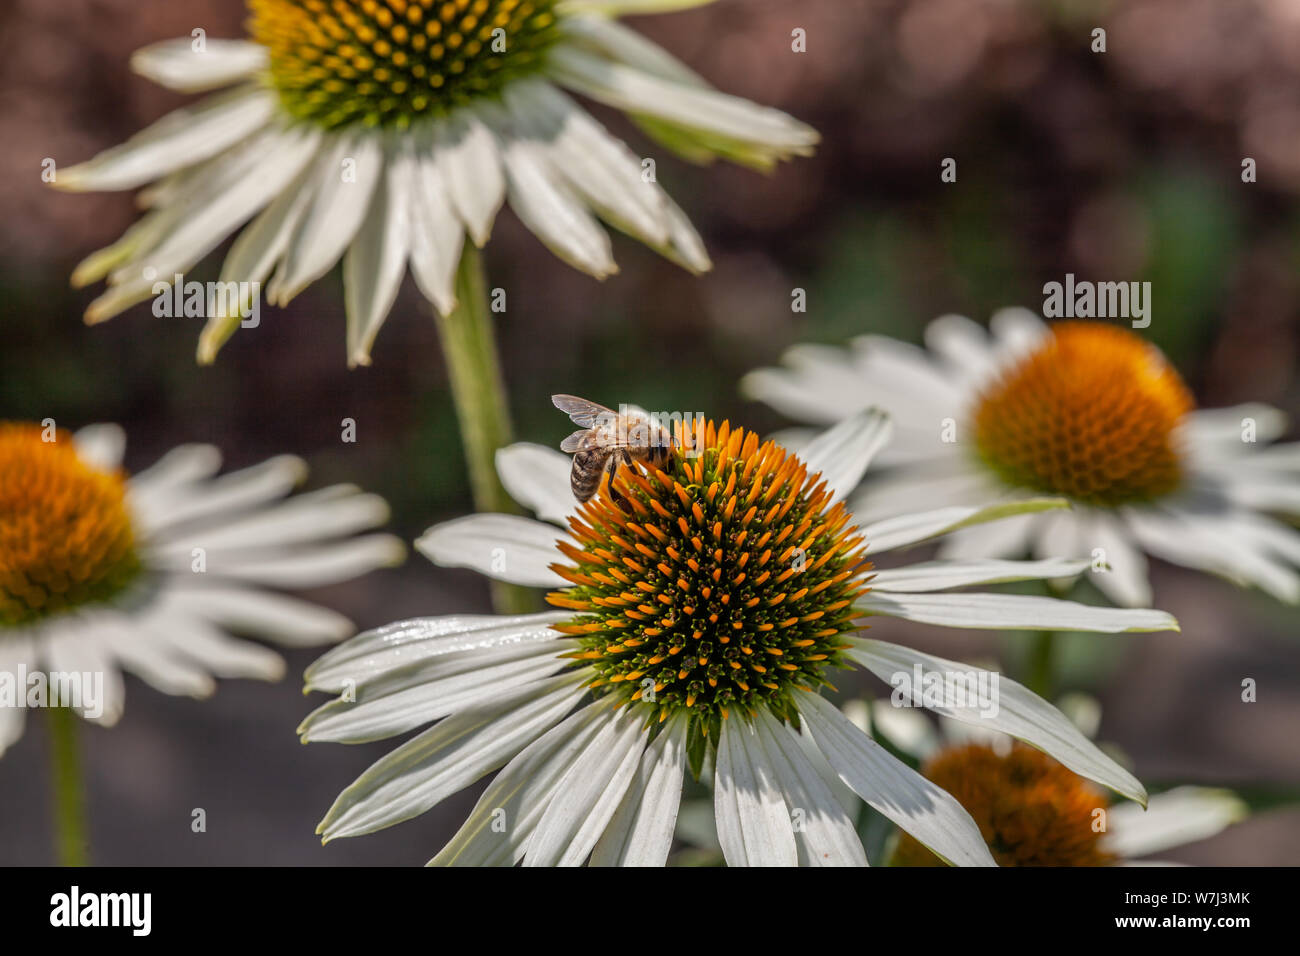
382	132
101	572
694	631
1085	410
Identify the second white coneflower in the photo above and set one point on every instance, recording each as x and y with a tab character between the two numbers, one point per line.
382	132
1089	411
102	572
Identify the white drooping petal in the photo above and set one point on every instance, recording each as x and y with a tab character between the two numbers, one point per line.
467	154
317	565
403	698
1214	433
1017	332
402	643
181	138
927	812
144	234
941	575
437	233
915	477
595	165
143	648
538	478
520	794
1057	534
1209	542
191	66
1125	580
823	832
641	830
101	446
1274	538
905	380
550	208
180	504
906	530
1011	709
193	638
1173	818
964	348
346	179
16	653
1258	487
685	247
625	8
244	610
375	263
318	516
907	728
843	793
70	646
590	793
450	756
843	452
505	547
1012	611
754	826
249	178
611	39
179	468
257	250
690	107
1004	538
818	384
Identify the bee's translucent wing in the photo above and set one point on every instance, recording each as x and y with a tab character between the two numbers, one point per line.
583	412
575	441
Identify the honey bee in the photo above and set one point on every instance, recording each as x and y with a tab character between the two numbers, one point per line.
606	440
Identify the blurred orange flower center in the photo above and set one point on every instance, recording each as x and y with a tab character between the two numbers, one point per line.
388	62
65	532
1090	415
1030	809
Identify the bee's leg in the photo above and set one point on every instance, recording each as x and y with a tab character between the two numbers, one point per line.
621	457
661	456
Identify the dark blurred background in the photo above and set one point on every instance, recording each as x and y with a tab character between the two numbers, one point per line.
1122	165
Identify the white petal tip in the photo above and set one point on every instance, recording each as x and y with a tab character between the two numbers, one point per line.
70	180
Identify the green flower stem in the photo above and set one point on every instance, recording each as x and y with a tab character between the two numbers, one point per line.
478	389
72	841
1041	667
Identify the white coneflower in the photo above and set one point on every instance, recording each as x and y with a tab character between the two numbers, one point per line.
101	572
695	630
382	131
1085	410
1034	812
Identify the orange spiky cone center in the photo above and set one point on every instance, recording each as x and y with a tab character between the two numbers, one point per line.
722	583
66	538
391	62
1031	810
1091	415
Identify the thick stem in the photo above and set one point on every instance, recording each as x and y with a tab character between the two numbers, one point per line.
72	841
478	390
1041	667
